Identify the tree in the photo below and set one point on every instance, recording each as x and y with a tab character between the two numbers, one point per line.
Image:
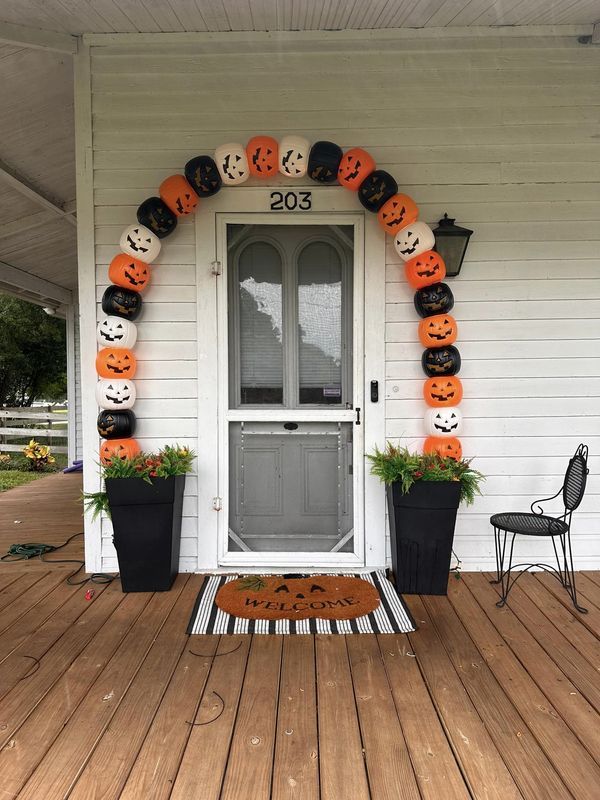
33	354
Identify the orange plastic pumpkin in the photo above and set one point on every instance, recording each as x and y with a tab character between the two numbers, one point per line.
118	362
446	448
263	156
122	448
397	212
354	167
129	273
444	391
177	193
437	331
425	269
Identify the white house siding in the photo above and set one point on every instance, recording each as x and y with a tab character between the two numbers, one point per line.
499	131
78	422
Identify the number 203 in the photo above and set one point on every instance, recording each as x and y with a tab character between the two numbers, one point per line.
291	201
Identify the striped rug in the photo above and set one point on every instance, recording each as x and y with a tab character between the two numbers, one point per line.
392	616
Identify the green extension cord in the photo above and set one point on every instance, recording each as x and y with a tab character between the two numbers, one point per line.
20	552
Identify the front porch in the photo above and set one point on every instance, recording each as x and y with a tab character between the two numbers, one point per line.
110	698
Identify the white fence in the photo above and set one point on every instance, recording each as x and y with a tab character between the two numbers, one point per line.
42	423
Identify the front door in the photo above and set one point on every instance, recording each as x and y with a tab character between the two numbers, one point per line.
291	357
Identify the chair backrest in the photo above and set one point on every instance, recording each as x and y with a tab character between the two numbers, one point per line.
575	478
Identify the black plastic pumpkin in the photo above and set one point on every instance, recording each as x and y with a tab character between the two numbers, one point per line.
156	215
376	189
120	302
203	175
116	424
440	361
324	161
435	299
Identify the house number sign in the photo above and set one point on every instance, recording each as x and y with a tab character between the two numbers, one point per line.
291	201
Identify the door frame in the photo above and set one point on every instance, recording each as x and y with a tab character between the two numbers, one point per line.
330	205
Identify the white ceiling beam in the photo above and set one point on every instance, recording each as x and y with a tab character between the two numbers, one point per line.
12	178
27	223
37	38
19	282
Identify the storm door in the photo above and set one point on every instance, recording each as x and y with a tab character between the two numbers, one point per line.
290	438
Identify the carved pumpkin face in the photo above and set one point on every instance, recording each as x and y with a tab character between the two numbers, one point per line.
129	273
434	299
324	161
156	215
293	156
400	210
114	394
263	156
122	302
354	167
116	332
446	448
443	422
445	391
116	363
438	330
232	163
440	361
116	424
203	176
413	240
139	242
118	448
425	269
376	189
178	195
339	597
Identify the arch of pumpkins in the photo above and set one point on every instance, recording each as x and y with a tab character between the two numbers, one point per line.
263	157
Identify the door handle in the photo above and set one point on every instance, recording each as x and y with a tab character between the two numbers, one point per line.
358	416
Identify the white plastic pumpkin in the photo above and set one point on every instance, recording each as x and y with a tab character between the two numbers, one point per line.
139	242
444	422
232	163
116	332
413	240
115	395
293	156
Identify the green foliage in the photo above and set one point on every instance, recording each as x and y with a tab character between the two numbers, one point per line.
397	464
18	463
251	583
33	354
96	503
10	479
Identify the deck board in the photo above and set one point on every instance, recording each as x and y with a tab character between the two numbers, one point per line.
480	702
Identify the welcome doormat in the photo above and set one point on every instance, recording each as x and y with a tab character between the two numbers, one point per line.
267	604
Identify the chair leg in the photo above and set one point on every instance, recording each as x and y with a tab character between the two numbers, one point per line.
499	552
566	570
503	576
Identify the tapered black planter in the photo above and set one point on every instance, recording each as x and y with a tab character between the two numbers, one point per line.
422	531
146	520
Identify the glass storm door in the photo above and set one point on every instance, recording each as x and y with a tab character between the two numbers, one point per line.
290	433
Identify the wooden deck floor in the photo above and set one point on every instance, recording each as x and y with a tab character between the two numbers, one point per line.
109	698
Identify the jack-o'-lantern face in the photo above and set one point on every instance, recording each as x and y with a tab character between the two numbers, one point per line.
324	161
139	242
434	299
122	302
257	597
443	422
400	210
116	332
438	330
178	195
440	361
156	215
413	240
203	176
263	156
376	189
445	391
425	269
114	394
293	156
129	273
232	163
116	363
116	424
118	448
354	167
444	447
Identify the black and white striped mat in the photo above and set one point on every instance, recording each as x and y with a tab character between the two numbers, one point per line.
392	616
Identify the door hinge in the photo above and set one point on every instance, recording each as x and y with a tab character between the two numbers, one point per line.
217	504
216	267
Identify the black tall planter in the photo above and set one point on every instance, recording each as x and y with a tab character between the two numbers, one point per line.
146	520
422	531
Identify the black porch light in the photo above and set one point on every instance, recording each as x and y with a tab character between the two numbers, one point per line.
451	243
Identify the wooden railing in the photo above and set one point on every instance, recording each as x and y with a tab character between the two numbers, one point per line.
33	423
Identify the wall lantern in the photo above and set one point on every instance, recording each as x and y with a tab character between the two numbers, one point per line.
451	243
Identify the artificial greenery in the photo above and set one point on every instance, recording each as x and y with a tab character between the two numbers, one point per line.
396	464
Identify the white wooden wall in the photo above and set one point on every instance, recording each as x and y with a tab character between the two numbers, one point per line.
499	131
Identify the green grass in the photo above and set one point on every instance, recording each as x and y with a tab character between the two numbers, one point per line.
8	480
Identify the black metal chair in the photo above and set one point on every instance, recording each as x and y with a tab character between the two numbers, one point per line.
536	523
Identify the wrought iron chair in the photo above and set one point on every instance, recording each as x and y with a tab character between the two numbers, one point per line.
536	523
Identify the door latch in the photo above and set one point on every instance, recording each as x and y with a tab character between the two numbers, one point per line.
217	504
358	416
